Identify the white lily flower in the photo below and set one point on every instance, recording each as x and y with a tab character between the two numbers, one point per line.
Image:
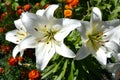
17	35
95	35
48	35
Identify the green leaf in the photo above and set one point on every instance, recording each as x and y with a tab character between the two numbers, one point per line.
14	5
63	71
57	66
43	2
114	13
47	70
71	76
47	74
114	2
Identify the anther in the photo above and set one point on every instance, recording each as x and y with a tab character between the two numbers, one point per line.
36	29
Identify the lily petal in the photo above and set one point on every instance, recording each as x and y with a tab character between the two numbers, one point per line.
63	50
40	12
101	56
12	36
111	24
67	26
82	53
16	50
44	53
85	26
115	37
112	34
96	20
28	42
49	11
19	25
112	46
31	21
96	15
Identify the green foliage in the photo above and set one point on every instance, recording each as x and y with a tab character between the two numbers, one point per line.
14	5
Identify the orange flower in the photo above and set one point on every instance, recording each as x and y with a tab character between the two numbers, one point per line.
1	29
20	58
19	7
37	4
67	6
34	75
74	3
1	70
69	1
27	7
7	48
12	61
3	15
19	11
67	13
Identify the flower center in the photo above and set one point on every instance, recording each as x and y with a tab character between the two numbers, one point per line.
47	33
95	37
95	40
50	36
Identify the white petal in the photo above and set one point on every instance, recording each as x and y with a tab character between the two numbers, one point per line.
44	53
96	20
118	57
40	12
82	53
67	26
12	36
112	34
115	36
19	25
16	50
111	24
64	51
112	46
28	42
49	11
96	15
31	21
108	33
85	26
101	56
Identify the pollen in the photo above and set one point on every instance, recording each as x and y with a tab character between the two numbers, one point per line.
95	40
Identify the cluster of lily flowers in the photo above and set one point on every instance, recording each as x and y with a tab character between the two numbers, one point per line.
46	34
